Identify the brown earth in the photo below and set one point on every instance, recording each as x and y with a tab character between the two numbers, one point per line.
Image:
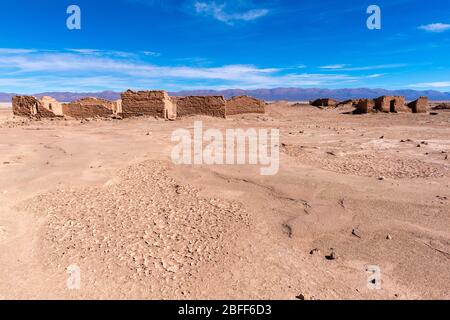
104	195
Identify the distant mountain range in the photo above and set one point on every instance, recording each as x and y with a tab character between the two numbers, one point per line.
289	94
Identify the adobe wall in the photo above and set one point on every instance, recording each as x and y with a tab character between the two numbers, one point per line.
324	102
365	106
244	104
88	108
148	103
52	105
419	106
171	109
96	102
30	107
391	104
214	106
117	107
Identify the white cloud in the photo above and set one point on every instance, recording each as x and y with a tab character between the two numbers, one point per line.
376	75
15	51
334	66
374	67
435	27
441	84
218	11
91	69
347	67
97	52
151	53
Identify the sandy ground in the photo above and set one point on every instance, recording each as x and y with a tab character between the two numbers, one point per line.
103	195
5	105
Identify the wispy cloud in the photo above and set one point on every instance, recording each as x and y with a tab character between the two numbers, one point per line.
436	27
91	69
15	51
226	11
346	67
220	12
151	53
441	84
334	66
112	53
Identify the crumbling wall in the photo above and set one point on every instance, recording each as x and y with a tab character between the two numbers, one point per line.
391	104
244	104
383	104
117	107
88	108
214	106
324	102
354	102
170	109
96	102
30	107
148	103
365	106
419	106
52	105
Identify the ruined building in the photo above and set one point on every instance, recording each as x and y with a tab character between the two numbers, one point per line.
365	106
147	103
419	106
88	108
327	102
391	104
52	105
244	104
30	107
214	106
137	103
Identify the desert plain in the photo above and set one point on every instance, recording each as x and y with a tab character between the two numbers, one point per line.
353	191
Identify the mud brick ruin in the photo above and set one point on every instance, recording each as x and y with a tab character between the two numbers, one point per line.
365	106
324	102
419	106
392	104
88	108
137	103
160	105
147	103
244	104
52	105
30	107
214	106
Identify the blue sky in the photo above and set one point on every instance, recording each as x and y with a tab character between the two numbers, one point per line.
203	44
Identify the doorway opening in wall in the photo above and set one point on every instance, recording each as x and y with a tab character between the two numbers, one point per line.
392	105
